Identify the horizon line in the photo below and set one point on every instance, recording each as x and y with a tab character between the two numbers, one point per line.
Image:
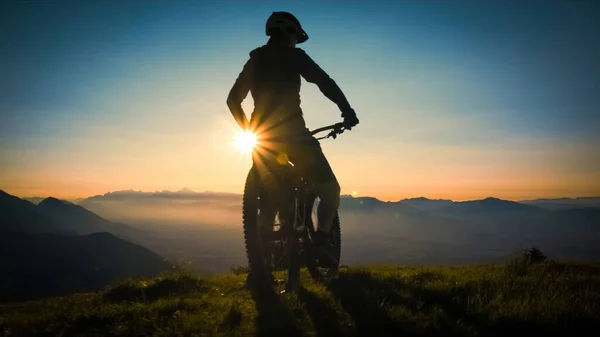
342	196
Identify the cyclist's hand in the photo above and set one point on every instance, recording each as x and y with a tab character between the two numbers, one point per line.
350	119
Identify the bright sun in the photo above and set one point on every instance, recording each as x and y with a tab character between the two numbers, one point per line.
244	141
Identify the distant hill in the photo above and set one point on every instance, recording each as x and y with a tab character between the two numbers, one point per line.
20	215
489	206
560	204
369	204
41	265
57	216
37	200
77	219
426	204
41	253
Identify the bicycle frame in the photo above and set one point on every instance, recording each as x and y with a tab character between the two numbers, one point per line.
294	190
285	173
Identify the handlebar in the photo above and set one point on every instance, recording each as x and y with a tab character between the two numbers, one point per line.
336	129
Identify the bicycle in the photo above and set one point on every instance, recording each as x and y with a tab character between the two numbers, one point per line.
287	244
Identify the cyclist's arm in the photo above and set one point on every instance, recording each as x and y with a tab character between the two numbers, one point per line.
238	93
312	73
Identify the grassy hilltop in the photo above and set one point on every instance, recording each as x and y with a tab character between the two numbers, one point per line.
520	296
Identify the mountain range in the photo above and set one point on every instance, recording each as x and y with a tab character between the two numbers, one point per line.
583	209
57	247
493	214
420	203
577	212
484	227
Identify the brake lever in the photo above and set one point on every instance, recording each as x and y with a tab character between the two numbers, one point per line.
338	131
335	132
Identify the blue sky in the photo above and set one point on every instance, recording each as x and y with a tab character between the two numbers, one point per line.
495	91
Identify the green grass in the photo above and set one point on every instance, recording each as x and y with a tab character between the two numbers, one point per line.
517	297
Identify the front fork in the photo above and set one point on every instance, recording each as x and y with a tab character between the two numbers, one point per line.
294	227
298	227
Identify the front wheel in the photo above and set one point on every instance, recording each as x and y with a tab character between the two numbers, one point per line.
268	247
320	274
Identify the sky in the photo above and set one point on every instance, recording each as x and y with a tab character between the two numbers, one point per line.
459	100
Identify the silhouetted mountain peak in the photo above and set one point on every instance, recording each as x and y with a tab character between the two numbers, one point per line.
489	201
52	202
564	203
6	197
561	199
490	205
425	204
370	199
494	199
417	199
76	218
17	214
9	200
424	199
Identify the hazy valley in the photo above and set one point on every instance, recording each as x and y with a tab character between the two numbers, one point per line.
203	230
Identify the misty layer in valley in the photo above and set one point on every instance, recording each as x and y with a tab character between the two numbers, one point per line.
204	230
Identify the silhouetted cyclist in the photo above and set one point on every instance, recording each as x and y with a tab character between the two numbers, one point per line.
272	76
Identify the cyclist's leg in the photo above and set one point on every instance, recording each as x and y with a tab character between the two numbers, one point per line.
316	169
319	172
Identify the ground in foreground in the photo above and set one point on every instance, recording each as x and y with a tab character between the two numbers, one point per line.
517	297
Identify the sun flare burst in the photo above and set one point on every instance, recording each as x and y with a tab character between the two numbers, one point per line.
244	141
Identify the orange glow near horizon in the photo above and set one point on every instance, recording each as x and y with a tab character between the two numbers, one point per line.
39	185
373	167
207	161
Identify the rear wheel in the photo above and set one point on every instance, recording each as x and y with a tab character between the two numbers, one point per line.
320	274
268	246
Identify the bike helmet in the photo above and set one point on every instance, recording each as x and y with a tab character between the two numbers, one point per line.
285	22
